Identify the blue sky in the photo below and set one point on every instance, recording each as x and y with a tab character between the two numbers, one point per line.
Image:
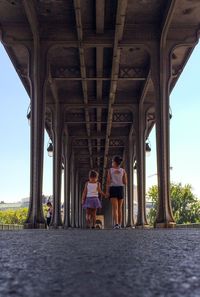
15	133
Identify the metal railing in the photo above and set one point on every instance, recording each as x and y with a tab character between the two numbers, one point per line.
11	227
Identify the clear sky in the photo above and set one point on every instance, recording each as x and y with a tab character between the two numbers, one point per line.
15	133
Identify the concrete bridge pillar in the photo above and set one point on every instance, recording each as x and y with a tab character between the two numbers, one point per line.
66	185
130	152
124	208
141	176
76	198
57	167
79	203
72	190
80	210
37	77
162	66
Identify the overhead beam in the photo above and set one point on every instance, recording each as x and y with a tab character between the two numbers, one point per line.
31	14
125	106
95	146
167	21
100	14
100	11
97	136
145	88
79	27
99	79
54	91
119	27
96	122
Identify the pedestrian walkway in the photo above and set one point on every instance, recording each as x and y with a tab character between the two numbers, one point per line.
84	263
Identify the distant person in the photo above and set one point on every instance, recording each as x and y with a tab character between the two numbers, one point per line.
90	198
49	213
116	180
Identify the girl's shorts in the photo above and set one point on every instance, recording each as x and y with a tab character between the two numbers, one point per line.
92	202
117	192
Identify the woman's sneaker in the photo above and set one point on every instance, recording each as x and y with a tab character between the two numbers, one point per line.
116	226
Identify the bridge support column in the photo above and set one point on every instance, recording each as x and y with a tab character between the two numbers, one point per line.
35	218
124	208
130	219
57	167
72	189
141	176
82	213
76	199
80	206
66	187
164	216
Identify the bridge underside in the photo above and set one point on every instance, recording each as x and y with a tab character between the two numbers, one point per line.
99	75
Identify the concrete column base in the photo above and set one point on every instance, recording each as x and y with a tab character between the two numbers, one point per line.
142	226
130	226
165	225
66	227
35	226
56	226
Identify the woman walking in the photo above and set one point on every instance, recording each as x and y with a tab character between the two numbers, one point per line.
116	180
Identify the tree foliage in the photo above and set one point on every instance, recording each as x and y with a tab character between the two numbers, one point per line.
12	216
185	205
16	216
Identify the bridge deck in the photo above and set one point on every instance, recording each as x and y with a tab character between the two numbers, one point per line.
100	263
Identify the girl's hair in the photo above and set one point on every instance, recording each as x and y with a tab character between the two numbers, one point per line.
118	160
49	203
93	174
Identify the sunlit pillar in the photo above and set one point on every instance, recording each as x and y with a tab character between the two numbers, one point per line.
130	219
57	167
66	183
164	216
141	176
37	75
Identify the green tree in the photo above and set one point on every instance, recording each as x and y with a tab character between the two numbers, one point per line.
16	216
11	216
185	205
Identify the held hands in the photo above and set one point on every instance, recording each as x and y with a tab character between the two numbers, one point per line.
107	195
104	194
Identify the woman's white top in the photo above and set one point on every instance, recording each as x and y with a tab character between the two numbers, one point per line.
116	175
92	189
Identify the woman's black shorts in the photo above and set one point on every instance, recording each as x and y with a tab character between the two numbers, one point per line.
117	192
48	221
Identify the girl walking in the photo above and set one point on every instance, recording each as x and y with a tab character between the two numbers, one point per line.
116	180
90	198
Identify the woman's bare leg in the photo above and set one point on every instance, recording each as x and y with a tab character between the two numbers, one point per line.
120	203
115	209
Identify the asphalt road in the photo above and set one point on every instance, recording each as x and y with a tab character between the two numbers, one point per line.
84	263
